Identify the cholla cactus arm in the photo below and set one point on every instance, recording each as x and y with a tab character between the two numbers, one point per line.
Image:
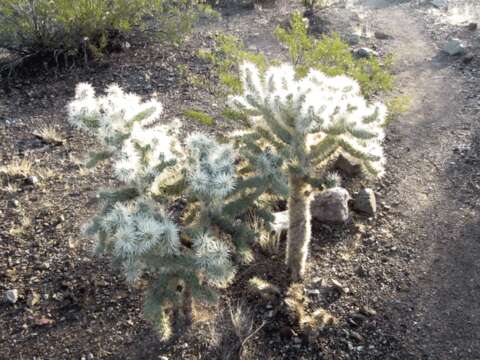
119	121
307	122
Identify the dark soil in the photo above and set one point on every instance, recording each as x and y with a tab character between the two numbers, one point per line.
403	285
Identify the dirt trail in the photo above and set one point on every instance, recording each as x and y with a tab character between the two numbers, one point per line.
441	314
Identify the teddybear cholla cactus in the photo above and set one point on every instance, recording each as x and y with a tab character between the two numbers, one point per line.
307	122
180	261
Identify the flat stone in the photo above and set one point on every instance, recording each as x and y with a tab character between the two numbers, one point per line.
331	206
454	47
365	202
472	26
441	4
382	36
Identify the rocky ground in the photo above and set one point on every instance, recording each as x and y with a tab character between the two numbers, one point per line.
401	285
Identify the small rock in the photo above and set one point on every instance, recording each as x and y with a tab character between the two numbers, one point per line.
441	4
360	271
331	206
356	320
353	39
454	47
313	292
43	321
355	335
382	36
347	166
364	53
163	358
368	311
337	285
32	180
472	26
33	299
365	202
467	59
11	296
280	222
13	203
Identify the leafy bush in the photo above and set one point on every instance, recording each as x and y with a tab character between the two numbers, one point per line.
184	259
333	57
304	124
70	27
226	56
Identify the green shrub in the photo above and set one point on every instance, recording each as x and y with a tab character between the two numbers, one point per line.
333	57
72	27
226	56
396	106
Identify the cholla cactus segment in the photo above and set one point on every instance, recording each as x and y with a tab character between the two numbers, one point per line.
137	229
126	126
144	153
110	117
211	169
213	256
309	113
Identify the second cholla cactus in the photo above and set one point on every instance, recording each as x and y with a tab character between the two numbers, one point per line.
307	122
182	261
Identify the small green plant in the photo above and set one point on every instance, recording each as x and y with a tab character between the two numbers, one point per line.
333	57
86	27
200	117
397	106
304	124
225	57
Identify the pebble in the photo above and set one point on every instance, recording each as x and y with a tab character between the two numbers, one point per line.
11	296
13	203
32	180
382	36
33	299
367	311
467	59
355	335
364	53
